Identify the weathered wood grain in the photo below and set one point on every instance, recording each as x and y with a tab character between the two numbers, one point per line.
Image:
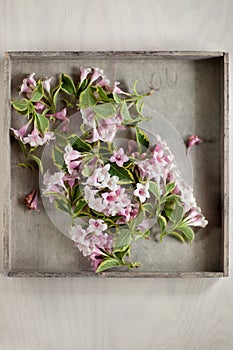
116	314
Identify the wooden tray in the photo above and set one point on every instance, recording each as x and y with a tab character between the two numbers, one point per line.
192	92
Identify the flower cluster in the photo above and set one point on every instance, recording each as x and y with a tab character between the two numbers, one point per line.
122	193
93	242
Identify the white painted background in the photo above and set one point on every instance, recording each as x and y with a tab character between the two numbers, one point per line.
89	314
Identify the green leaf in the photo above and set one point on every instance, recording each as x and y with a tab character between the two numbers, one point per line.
20	106
125	176
135	87
37	161
76	193
154	188
187	232
149	208
122	240
63	205
87	98
176	235
170	187
67	84
37	94
172	197
102	94
176	214
87	171
117	99
142	139
81	145
107	264
58	157
42	123
79	206
162	222
125	114
55	94
105	110
139	218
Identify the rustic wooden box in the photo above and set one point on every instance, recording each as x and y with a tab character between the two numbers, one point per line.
192	92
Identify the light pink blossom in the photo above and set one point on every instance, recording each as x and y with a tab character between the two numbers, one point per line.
21	132
46	84
28	85
72	158
119	157
39	107
195	218
192	141
100	177
84	73
48	136
142	192
117	90
30	200
34	139
97	226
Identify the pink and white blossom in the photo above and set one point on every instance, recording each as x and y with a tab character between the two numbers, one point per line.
119	157
39	107
20	133
100	177
142	192
48	136
97	226
192	141
84	73
117	90
34	139
195	218
72	158
46	84
28	85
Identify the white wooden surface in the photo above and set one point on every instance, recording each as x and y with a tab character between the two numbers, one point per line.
83	314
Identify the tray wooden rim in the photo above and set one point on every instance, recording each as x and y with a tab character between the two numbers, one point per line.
187	55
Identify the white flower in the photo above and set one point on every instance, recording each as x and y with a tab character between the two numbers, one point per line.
46	84
97	226
142	191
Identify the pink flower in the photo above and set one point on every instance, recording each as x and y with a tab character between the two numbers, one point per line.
72	158
119	157
46	84
97	204
39	107
30	200
117	90
192	141
99	78
28	85
142	191
54	183
107	130
55	179
21	132
61	116
97	226
88	117
48	136
34	139
195	218
84	73
100	177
